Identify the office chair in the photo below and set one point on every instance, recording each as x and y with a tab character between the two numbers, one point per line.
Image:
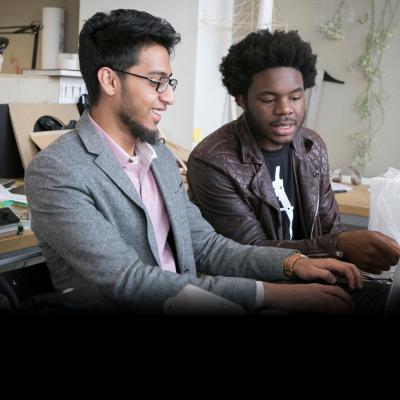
21	284
49	123
29	291
7	290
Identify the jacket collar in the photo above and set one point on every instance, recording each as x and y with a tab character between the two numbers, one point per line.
250	151
302	142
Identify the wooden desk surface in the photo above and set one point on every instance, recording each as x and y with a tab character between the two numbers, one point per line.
16	242
354	202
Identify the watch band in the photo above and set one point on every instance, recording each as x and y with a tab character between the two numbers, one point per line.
290	262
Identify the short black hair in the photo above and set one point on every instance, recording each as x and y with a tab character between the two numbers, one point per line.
261	50
115	39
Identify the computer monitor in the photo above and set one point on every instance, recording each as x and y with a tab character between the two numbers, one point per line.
10	160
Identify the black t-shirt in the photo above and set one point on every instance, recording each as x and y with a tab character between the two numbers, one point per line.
280	169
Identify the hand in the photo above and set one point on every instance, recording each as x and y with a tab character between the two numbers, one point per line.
371	251
311	298
309	269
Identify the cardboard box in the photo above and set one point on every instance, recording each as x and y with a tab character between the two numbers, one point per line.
23	119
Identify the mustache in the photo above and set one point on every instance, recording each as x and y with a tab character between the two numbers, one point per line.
284	120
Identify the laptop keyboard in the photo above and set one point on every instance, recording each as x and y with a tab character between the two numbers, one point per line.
371	299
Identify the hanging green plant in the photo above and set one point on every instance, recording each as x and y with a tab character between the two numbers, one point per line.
332	29
369	104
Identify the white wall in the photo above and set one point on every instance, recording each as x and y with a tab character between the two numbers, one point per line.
200	97
177	122
336	116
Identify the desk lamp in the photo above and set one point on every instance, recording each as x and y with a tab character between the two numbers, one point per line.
32	29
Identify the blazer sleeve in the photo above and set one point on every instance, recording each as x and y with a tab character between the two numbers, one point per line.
65	218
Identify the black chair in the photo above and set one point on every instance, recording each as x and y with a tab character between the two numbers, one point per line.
21	284
29	291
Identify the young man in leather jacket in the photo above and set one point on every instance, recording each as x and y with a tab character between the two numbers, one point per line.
264	178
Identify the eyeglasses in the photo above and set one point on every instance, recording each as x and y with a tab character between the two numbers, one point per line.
162	83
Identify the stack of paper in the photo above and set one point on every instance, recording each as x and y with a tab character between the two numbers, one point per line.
18	205
340	187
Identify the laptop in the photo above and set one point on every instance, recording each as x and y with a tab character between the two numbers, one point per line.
392	306
380	294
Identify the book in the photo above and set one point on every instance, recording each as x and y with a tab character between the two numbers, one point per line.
52	72
7	183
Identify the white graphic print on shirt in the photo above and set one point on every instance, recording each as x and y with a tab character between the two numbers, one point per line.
282	197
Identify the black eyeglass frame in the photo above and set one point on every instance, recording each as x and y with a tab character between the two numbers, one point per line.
171	82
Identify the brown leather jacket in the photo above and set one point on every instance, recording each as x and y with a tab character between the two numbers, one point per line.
230	183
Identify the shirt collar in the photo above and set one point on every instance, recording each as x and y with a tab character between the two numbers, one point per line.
144	152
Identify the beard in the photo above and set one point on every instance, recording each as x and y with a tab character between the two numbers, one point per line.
138	131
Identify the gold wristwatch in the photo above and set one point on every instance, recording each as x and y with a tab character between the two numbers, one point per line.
290	262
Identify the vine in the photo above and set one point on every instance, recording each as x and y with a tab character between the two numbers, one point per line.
369	104
332	29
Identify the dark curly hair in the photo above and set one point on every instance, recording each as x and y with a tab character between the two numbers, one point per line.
262	50
115	40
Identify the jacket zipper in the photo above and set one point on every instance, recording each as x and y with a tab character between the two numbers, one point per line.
316	174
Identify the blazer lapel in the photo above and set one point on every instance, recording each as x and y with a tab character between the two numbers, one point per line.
169	186
106	161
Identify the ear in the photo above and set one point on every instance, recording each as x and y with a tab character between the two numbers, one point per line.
108	81
242	101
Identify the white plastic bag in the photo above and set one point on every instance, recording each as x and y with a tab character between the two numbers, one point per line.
384	213
385	204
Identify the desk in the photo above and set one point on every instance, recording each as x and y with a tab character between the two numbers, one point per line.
354	205
15	242
19	251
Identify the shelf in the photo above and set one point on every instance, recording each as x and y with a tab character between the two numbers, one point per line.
52	72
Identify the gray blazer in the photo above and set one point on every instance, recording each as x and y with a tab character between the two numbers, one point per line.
94	229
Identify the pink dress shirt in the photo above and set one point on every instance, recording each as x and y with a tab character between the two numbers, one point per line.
138	169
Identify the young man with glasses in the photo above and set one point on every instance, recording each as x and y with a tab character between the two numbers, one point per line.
108	204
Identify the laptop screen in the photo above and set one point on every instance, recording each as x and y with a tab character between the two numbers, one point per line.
393	301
